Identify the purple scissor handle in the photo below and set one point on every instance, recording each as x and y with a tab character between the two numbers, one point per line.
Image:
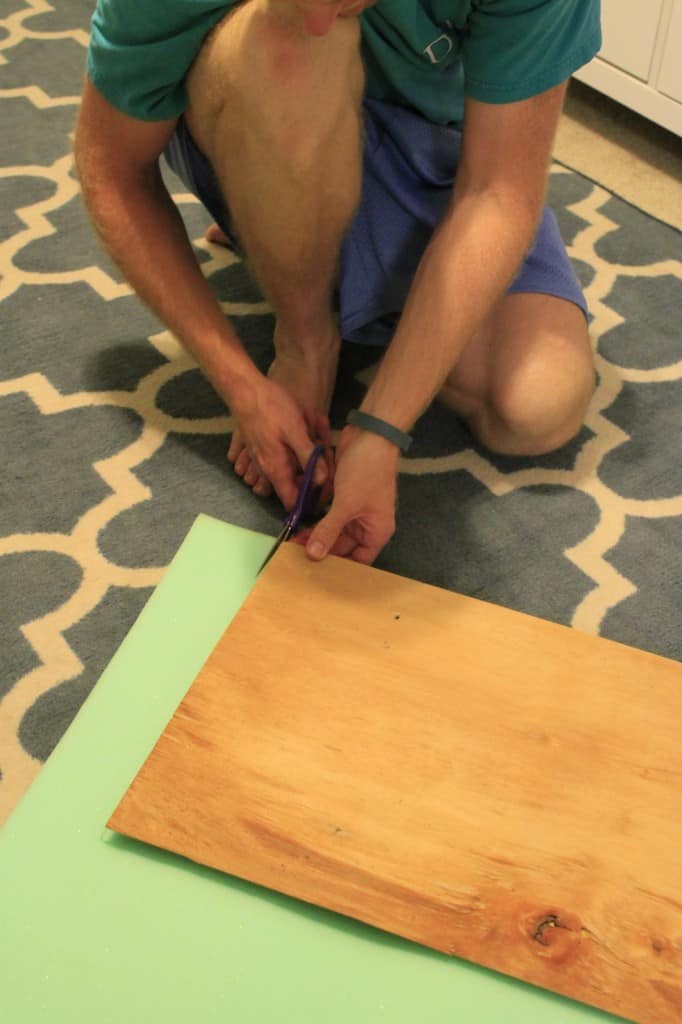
306	504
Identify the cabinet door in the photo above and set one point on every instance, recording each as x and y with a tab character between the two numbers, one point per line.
670	77
629	30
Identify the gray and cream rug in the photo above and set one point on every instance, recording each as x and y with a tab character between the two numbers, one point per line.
112	443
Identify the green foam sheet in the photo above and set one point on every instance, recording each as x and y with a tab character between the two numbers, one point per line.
100	929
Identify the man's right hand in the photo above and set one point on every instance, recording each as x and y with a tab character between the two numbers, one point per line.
272	441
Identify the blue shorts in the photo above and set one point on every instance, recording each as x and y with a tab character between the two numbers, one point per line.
408	174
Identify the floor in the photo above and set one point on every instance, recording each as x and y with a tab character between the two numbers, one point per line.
629	155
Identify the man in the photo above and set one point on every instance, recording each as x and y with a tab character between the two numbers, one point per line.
323	136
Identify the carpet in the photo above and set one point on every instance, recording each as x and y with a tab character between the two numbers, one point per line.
113	442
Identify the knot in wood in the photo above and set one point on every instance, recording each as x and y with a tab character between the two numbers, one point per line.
553	934
549	921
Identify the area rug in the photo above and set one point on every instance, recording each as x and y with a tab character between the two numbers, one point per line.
112	442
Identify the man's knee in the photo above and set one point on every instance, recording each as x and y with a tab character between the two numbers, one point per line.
542	406
524	384
259	67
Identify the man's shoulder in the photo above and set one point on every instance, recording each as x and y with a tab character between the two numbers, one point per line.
139	53
429	54
515	49
150	22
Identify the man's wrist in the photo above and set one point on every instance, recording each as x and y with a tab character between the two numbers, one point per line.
372	445
379	427
236	378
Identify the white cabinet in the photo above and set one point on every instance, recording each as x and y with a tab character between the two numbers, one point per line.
640	63
670	77
629	28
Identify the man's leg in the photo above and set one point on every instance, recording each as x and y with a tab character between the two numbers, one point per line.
277	113
524	382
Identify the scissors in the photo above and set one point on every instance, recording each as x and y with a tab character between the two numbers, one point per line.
306	504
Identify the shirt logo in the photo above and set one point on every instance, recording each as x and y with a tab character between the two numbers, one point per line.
439	48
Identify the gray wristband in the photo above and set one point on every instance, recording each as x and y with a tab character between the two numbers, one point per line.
374	425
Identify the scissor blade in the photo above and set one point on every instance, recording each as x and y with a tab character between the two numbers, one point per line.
300	509
269	555
275	547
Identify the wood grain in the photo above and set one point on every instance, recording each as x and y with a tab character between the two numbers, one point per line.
488	784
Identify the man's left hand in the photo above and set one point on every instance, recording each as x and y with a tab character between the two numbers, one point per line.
361	519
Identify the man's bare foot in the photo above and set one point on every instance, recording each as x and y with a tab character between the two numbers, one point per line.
217	236
309	375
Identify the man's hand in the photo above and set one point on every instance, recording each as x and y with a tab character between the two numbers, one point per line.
361	519
272	442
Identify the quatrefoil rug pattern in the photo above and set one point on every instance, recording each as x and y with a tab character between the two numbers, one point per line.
112	442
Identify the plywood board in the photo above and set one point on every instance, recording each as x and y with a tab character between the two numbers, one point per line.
485	783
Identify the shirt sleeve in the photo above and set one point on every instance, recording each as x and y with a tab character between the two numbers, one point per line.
514	49
141	50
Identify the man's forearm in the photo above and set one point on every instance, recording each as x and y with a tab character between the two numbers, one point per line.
144	235
465	270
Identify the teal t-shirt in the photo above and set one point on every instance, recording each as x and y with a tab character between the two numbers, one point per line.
423	54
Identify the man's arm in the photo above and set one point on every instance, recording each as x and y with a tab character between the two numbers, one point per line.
467	267
117	160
